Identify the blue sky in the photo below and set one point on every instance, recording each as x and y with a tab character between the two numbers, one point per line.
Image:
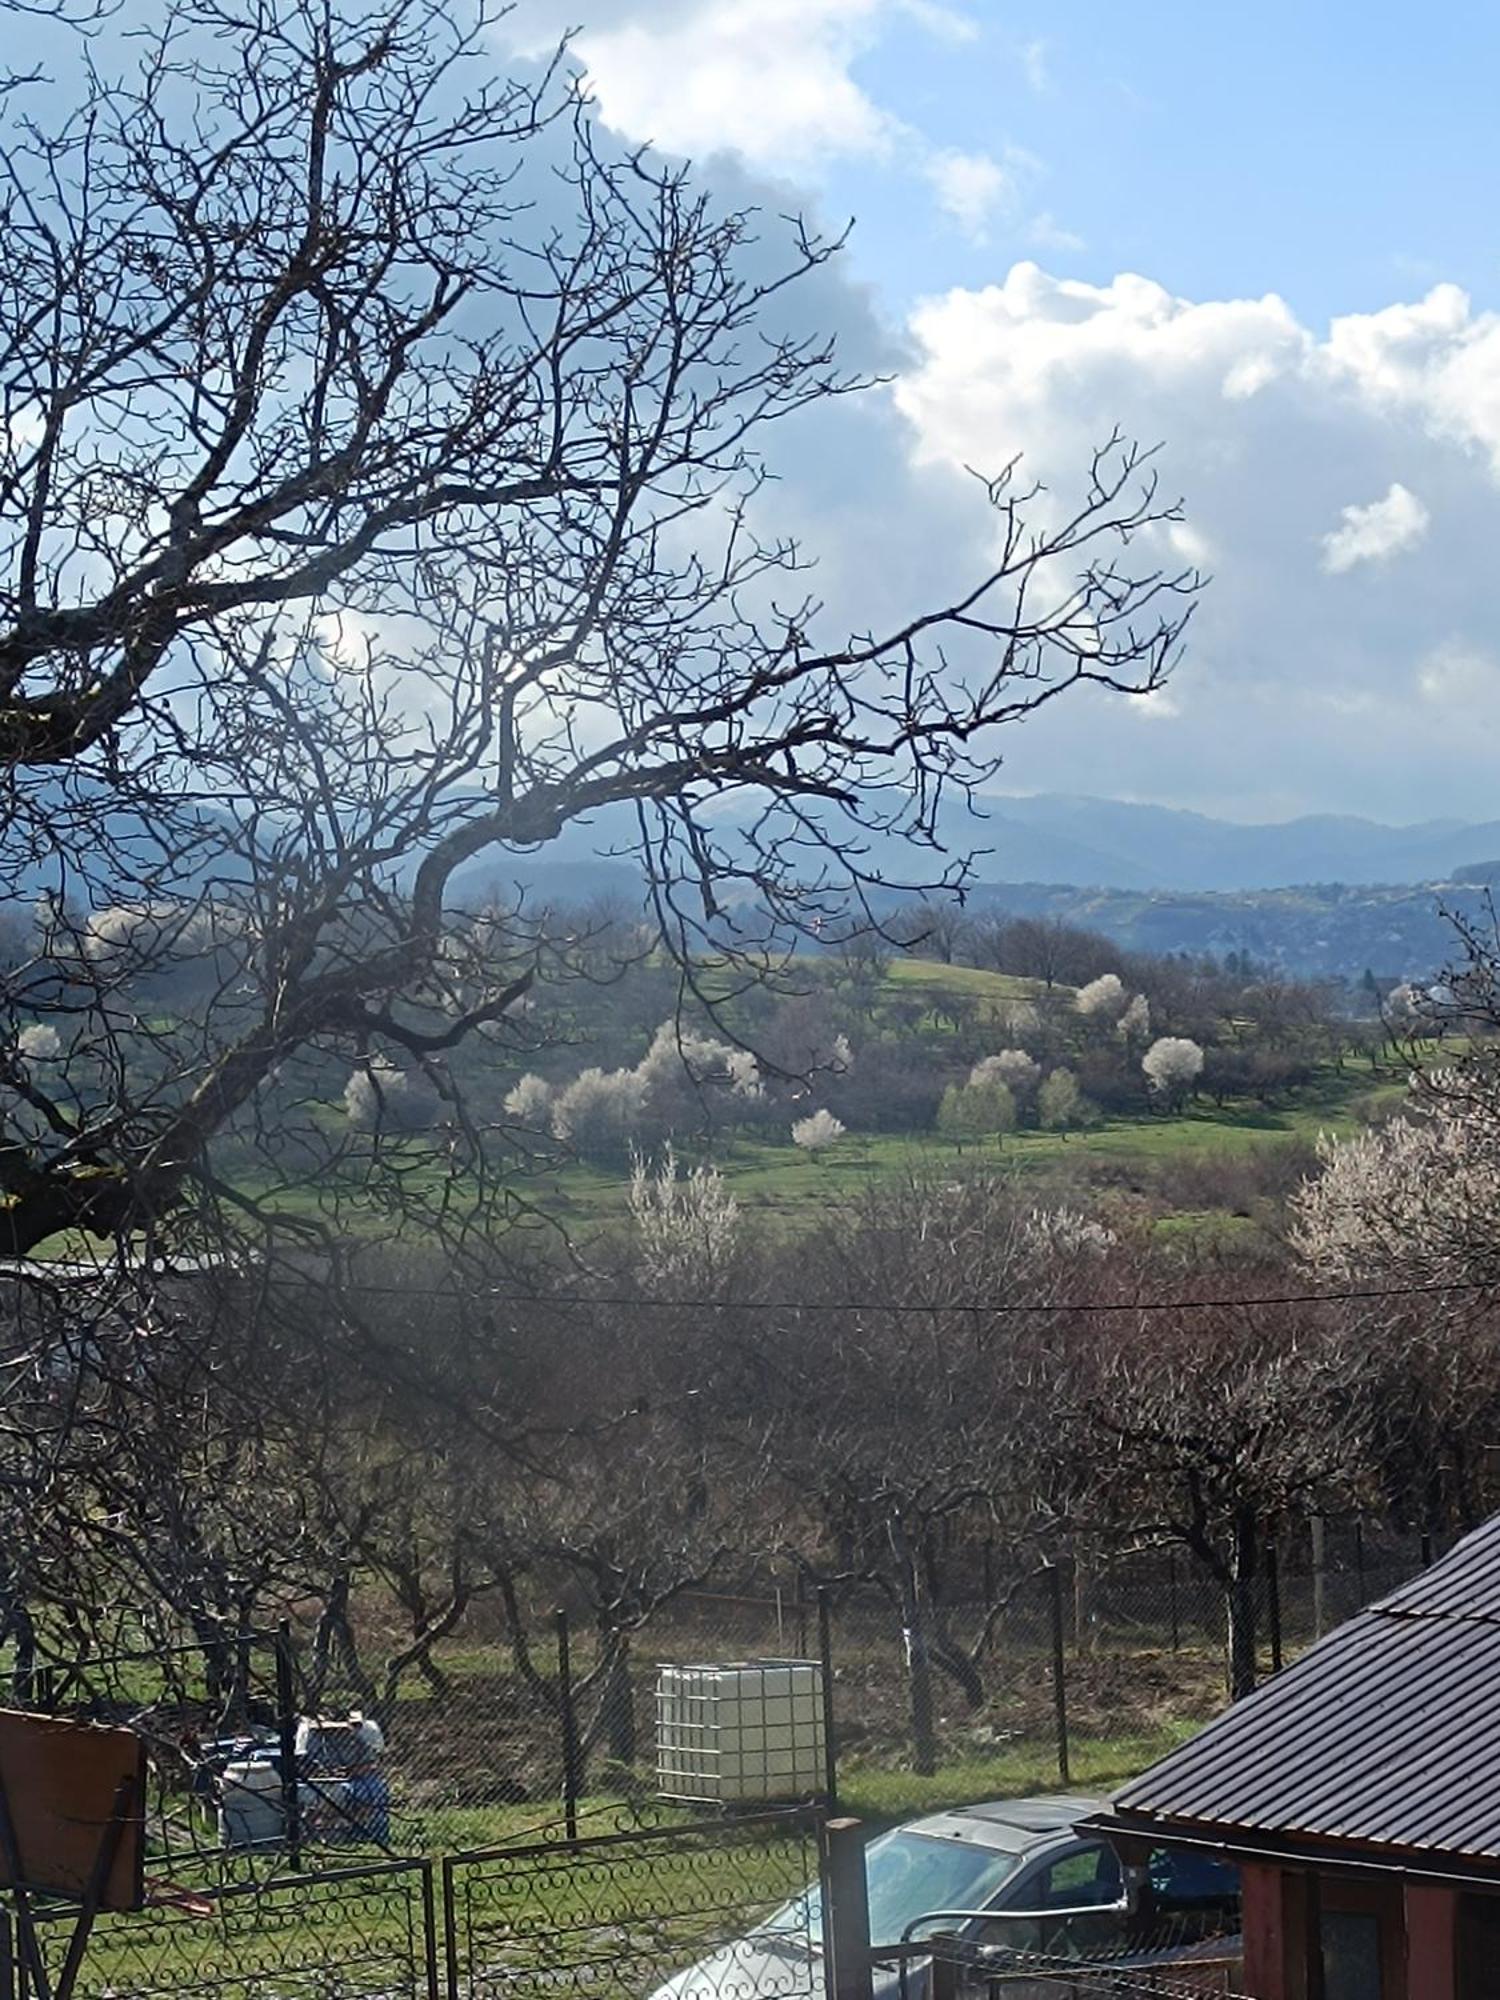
1324	151
1264	236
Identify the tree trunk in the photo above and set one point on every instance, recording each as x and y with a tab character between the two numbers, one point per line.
334	1644
1243	1568
918	1660
619	1704
20	1628
1319	1530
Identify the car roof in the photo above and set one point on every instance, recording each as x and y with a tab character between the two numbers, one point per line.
1009	1825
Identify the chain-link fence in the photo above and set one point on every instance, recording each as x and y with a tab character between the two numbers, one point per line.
1079	1670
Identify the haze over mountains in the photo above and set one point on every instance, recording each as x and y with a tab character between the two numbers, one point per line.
1323	896
1079	842
1115	844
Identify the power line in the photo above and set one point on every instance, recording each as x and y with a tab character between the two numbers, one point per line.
993	1308
37	1272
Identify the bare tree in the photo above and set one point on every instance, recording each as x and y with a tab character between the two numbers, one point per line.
382	492
1217	1424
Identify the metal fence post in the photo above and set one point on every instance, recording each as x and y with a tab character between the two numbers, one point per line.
429	1932
1273	1603
1427	1548
568	1715
1059	1670
800	1607
286	1716
450	1928
846	1910
1359	1559
1172	1600
945	1950
825	1675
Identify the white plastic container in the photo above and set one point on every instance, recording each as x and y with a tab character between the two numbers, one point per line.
250	1805
327	1744
740	1731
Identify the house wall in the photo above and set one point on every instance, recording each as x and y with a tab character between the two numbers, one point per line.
1431	1937
1283	1913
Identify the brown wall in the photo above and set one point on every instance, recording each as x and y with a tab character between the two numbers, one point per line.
1418	1924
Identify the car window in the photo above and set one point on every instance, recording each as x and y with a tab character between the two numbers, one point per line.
1085	1880
908	1875
1089	1875
1187	1881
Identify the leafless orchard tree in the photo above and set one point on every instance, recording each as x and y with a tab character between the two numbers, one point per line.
1212	1426
382	492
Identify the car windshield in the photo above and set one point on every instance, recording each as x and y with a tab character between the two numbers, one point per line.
910	1875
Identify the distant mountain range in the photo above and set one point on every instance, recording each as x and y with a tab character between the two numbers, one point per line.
1325	894
1091	843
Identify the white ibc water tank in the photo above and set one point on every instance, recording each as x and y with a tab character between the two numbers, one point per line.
740	1731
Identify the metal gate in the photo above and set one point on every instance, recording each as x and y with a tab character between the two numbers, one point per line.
722	1909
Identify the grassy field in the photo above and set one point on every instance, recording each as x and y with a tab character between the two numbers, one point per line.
768	1176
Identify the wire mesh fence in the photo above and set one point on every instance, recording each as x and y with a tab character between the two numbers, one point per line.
267	1747
963	1971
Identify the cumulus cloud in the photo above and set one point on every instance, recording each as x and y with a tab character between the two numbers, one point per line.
1267	424
773	83
769	80
1376	533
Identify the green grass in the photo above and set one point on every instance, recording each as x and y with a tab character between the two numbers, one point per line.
928	975
770	1175
657	1903
881	1796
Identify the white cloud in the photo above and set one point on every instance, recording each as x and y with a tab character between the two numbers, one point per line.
1458	677
773	83
1161	705
1375	533
1267	425
948	24
1047	233
767	79
971	187
1034	66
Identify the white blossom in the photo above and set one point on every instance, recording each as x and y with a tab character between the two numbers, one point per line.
1135	1023
599	1109
1018	1071
1417	1199
1068	1232
812	1134
371	1090
1103	997
1172	1065
531	1101
686	1222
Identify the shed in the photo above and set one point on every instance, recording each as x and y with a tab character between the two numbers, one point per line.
1359	1791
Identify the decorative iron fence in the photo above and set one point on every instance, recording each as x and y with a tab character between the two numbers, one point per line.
626	1913
365	1933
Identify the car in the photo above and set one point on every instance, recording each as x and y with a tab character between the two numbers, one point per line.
1025	1856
